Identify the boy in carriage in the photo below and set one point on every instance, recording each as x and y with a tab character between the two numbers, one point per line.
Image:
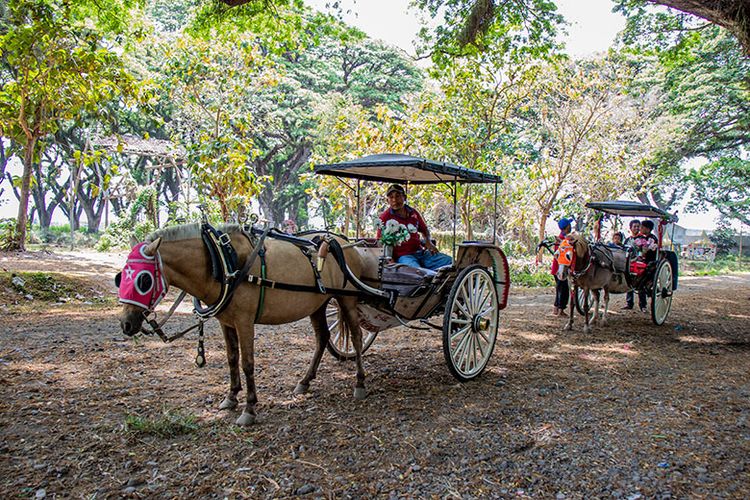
646	242
635	232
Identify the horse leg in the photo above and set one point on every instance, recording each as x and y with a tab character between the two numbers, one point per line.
322	334
587	309
246	334
606	307
595	316
571	304
349	311
233	360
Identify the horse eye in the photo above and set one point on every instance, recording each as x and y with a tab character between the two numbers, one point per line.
144	282
118	279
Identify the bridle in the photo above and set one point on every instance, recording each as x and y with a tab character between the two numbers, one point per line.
143	284
567	255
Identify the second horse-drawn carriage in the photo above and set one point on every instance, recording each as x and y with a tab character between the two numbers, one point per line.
614	268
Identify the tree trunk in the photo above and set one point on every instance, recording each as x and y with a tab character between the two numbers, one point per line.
542	223
19	242
3	161
731	14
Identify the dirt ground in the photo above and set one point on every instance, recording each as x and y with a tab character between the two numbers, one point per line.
629	411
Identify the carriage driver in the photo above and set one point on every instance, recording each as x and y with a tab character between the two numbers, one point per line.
410	252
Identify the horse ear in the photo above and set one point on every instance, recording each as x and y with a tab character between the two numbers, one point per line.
152	247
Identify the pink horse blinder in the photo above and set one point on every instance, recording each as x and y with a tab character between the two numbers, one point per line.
142	281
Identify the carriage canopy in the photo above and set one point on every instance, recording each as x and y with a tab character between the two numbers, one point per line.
405	169
631	209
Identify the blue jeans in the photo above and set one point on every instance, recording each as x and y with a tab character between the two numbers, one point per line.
423	258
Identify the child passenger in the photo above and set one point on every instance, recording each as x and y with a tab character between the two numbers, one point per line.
617	238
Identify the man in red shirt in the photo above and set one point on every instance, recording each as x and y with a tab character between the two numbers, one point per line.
410	252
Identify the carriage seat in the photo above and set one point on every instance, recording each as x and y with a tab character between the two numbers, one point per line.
369	242
408	281
611	257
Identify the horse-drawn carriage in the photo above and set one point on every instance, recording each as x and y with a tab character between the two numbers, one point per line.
620	268
657	277
247	275
468	293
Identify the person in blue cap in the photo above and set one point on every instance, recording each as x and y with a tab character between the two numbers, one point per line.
562	290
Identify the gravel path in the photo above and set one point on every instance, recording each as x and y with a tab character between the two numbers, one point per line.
629	411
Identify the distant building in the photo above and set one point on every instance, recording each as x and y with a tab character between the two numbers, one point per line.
683	237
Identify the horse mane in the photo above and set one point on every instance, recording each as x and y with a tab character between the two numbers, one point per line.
187	231
579	242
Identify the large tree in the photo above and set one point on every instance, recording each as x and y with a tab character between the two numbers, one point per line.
725	185
470	22
55	64
734	15
369	72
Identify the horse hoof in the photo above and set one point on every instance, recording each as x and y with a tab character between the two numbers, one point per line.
567	327
228	404
245	419
301	388
586	329
360	393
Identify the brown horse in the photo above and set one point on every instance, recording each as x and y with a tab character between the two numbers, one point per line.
576	263
187	266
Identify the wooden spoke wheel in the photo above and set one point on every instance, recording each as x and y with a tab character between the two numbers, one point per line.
340	343
470	323
661	294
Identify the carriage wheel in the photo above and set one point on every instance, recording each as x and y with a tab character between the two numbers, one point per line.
340	342
661	297
470	323
579	299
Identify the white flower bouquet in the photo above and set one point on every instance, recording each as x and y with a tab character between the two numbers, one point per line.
393	233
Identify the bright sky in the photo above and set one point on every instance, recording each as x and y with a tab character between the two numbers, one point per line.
593	24
593	28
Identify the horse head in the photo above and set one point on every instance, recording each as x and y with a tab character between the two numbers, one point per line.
141	285
571	254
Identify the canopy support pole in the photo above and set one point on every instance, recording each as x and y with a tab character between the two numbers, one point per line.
359	209
494	220
455	217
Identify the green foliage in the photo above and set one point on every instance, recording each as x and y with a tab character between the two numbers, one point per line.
59	60
725	239
138	223
524	29
60	235
214	88
170	423
278	24
701	72
726	265
530	275
56	64
51	287
8	234
725	185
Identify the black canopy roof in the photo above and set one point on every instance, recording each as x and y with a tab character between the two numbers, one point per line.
404	169
631	209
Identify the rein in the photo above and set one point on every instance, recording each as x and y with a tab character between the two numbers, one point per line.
224	270
578	274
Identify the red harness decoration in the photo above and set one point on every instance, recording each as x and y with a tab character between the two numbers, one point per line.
142	280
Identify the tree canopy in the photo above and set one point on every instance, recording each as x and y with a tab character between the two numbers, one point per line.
243	101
